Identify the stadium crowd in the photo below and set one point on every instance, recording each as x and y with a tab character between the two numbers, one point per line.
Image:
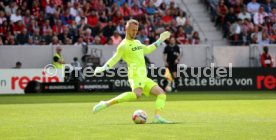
96	22
245	22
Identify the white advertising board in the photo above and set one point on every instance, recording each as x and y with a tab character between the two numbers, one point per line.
14	81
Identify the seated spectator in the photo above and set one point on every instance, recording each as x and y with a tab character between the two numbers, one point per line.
236	32
87	37
47	36
67	41
92	19
46	26
162	8
272	15
150	9
27	18
188	28
238	6
33	26
96	29
51	9
24	7
181	37
253	7
125	10
66	18
121	28
55	42
222	10
42	17
16	17
100	6
58	28
136	12
146	41
181	19
267	25
152	36
23	37
2	17
81	17
103	18
109	41
80	42
265	40
259	16
195	39
255	35
103	38
142	35
31	42
244	14
57	2
266	59
268	6
65	35
82	26
117	17
172	8
18	27
11	8
247	28
73	9
109	29
11	40
97	40
116	38
230	18
167	18
35	9
37	37
120	2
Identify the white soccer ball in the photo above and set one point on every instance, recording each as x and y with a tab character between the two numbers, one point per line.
168	88
139	117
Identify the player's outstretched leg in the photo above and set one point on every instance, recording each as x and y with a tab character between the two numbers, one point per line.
159	105
124	97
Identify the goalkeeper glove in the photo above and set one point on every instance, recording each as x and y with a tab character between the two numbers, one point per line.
163	36
100	69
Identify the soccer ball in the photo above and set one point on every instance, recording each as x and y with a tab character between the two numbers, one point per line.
139	117
168	88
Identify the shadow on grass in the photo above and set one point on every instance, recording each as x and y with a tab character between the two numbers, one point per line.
149	123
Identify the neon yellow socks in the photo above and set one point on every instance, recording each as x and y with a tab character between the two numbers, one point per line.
159	104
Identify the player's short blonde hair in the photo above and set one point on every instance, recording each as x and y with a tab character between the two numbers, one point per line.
132	21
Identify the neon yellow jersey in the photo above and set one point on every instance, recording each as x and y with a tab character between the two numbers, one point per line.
132	52
57	64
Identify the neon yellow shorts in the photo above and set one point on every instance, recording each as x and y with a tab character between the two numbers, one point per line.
145	83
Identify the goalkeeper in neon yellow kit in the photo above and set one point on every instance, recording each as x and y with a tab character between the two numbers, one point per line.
132	52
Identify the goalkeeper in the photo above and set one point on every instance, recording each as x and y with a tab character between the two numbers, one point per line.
132	51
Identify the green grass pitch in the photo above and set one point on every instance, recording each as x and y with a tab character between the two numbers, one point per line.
198	115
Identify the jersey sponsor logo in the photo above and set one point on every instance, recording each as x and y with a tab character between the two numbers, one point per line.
136	48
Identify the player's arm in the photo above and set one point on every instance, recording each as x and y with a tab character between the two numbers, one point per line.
163	36
112	61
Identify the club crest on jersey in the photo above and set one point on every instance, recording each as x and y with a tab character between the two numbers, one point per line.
136	48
